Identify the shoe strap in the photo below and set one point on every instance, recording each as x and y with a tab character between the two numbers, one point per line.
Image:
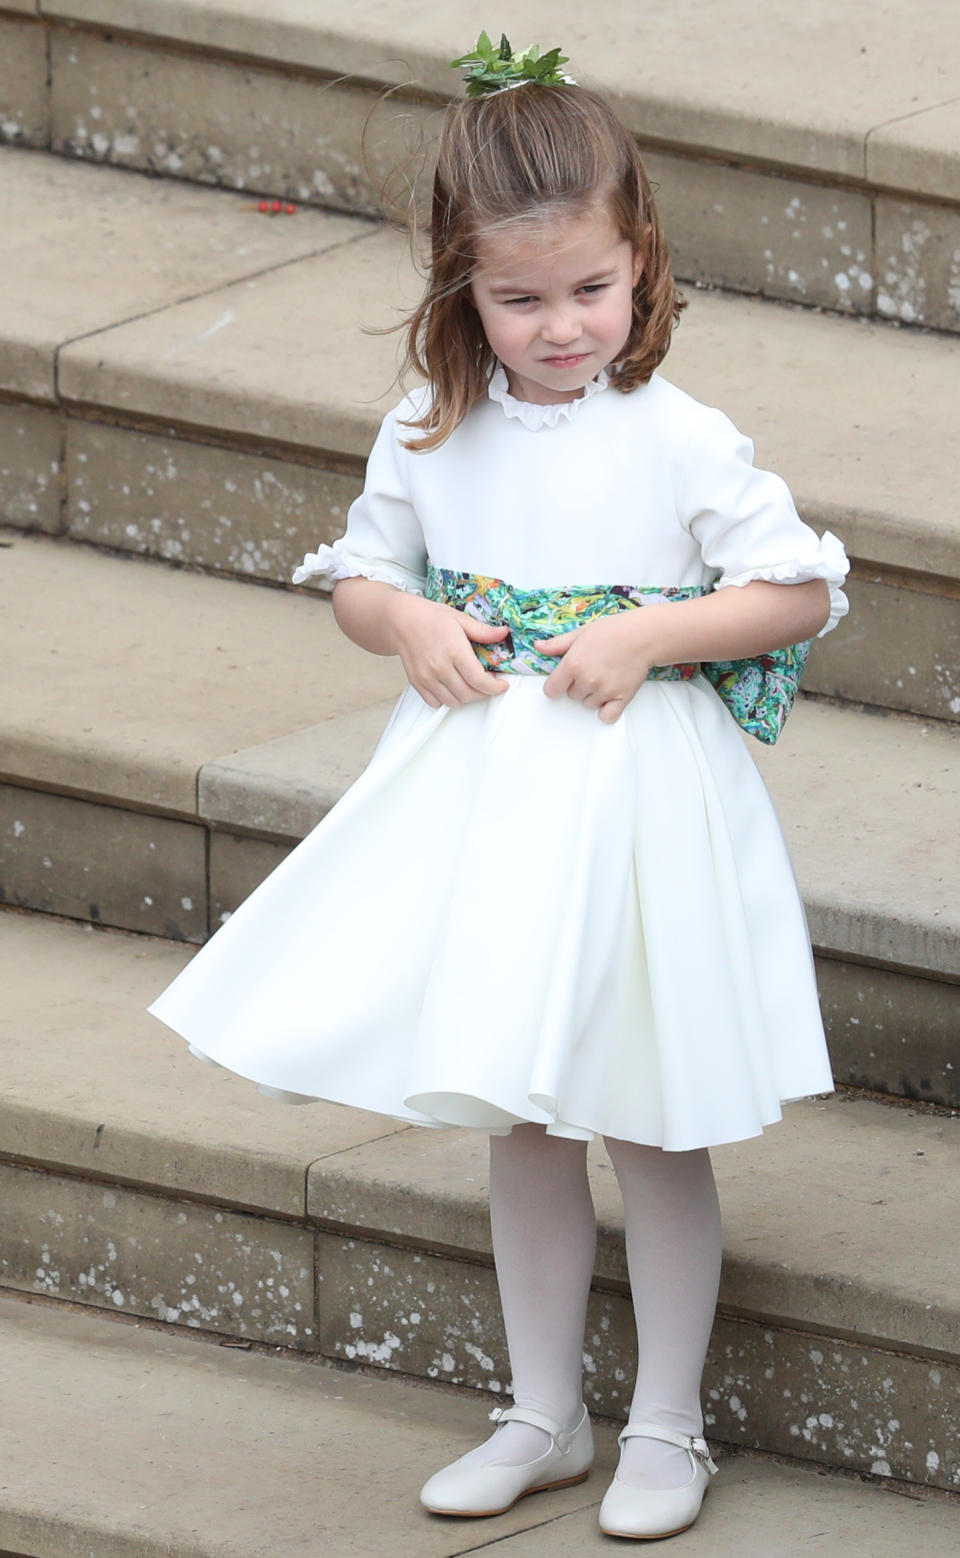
695	1445
549	1425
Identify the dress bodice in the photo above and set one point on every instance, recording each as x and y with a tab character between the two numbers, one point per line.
648	488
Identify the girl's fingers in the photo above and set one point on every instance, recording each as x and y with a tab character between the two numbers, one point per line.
482	632
455	687
558	645
484	684
560	681
428	697
608	708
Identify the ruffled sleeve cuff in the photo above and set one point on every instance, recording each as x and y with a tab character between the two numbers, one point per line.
330	563
827	560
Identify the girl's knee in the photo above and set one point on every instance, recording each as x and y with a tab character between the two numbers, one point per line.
656	1162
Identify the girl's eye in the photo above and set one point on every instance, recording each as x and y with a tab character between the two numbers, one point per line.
518	300
595	286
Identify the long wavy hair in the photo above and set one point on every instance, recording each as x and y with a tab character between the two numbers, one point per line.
511	157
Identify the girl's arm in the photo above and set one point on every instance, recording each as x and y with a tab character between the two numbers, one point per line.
433	641
743	620
606	661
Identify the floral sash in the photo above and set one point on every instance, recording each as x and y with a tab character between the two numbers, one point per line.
759	692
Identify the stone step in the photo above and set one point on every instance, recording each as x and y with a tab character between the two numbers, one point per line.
843	195
183	378
199	1452
119	805
137	1182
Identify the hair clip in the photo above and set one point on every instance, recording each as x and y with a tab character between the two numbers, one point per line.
492	69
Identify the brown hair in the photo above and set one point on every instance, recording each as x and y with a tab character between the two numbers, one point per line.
528	152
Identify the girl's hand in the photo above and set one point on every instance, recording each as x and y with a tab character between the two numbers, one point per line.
435	642
603	663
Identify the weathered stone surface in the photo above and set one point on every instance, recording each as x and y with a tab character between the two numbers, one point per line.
24	108
133	1104
135	675
801	88
87	247
423	1314
899	649
215	508
237	866
871	891
822	1399
176	1261
918	263
240	1416
758	1508
202	1450
31	444
102	863
213	121
812	1397
892	1033
832	1222
919	153
278	358
285	786
757	233
138	106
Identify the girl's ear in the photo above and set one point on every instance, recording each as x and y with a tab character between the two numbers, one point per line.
637	266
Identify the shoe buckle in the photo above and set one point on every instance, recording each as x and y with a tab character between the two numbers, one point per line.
701	1450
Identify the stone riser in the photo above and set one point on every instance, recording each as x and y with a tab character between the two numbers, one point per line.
163	876
768	1385
888	1031
226	510
221	121
898	649
253	516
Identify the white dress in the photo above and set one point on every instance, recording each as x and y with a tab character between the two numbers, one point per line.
519	912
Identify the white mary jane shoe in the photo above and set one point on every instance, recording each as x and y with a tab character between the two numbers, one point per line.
649	1513
490	1490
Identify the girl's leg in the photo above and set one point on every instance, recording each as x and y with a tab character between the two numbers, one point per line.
544	1241
674	1247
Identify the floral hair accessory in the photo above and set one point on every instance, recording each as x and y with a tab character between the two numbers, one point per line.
491	69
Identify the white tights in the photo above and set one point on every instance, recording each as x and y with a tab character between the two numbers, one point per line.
544	1239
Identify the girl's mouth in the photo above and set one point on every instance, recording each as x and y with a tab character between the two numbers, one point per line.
567	362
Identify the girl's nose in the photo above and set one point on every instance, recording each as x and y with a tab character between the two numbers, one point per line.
561	327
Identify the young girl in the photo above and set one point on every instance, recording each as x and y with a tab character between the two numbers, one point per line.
558	904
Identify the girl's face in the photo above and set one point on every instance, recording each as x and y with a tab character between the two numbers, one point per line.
556	302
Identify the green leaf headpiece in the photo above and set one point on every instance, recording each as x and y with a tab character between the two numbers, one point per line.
491	69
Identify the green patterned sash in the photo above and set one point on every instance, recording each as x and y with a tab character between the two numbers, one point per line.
759	692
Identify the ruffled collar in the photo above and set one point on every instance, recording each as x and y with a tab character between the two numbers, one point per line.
535	416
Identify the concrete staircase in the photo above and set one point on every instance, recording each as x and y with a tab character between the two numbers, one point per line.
285	1450
186	401
802	154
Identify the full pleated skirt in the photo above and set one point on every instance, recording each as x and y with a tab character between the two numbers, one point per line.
520	913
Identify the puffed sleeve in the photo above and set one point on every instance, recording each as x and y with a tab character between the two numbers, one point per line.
745	522
383	538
